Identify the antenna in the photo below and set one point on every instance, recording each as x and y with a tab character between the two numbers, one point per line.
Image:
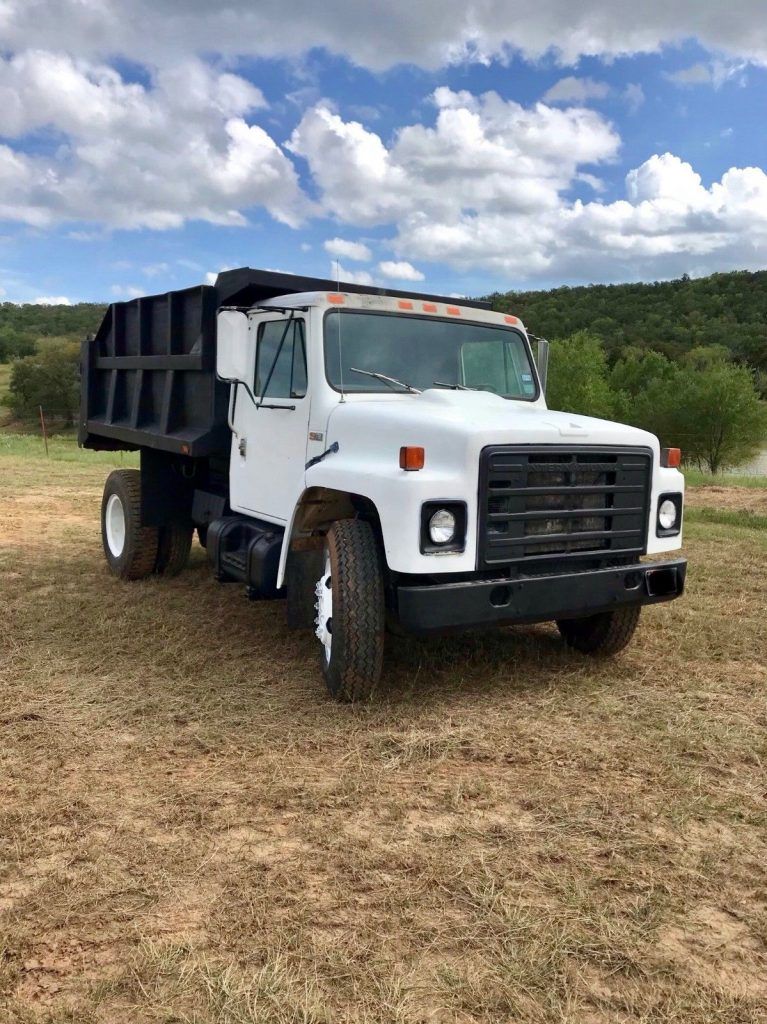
338	314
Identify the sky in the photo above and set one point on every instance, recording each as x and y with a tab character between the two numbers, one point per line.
459	147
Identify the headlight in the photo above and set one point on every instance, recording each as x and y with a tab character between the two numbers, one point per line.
667	514
442	527
669	521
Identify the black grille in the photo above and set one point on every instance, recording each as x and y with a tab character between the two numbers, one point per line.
538	504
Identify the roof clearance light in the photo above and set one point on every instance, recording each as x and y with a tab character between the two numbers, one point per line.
429	307
511	319
336	298
405	304
453	311
411	458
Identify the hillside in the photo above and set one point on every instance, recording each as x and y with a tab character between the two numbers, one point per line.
669	316
22	327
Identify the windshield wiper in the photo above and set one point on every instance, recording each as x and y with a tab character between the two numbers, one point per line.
387	380
453	387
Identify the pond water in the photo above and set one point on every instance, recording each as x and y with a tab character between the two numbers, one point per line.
756	467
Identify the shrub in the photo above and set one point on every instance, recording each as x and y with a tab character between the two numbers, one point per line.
49	378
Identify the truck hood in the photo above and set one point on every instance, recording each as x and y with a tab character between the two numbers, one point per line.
453	420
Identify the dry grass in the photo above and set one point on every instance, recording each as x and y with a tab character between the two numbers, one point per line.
192	832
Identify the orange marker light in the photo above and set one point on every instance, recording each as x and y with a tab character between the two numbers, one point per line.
405	304
429	307
453	311
671	458
411	458
336	299
511	319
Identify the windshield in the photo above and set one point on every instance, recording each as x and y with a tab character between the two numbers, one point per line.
421	352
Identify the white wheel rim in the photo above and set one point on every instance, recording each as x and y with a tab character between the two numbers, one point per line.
115	525
324	606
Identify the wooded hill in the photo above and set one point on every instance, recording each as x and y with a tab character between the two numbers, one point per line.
22	327
671	317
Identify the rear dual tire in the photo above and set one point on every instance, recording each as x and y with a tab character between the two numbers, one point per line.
133	551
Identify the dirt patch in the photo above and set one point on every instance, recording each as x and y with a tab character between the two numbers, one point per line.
715	943
734	499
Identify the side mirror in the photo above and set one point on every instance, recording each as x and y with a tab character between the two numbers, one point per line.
542	361
235	347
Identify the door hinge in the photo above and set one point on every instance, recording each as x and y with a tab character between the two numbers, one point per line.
243	446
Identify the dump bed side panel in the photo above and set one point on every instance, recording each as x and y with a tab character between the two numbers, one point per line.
148	377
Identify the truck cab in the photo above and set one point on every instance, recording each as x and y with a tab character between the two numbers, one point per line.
387	462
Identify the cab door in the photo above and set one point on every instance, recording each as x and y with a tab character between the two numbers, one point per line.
270	428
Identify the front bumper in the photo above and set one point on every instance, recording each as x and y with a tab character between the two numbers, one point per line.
454	606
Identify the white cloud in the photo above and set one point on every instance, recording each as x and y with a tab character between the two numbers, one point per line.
155	269
696	74
482	151
345	249
576	90
210	277
350	276
127	291
428	33
715	72
633	96
138	156
400	270
51	300
488	185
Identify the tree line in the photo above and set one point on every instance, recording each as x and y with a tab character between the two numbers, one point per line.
670	317
684	359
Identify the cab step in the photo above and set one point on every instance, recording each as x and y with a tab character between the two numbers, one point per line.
247	551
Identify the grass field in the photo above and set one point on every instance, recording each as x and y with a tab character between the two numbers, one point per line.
192	832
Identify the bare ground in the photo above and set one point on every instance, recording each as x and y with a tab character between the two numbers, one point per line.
736	499
192	832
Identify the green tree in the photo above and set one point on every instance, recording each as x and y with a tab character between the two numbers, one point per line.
710	408
49	378
578	377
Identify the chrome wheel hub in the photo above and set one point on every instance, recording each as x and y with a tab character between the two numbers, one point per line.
323	621
114	521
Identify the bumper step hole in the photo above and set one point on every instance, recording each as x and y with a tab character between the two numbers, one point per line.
500	596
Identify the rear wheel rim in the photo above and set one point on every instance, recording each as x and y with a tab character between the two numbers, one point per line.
114	521
323	621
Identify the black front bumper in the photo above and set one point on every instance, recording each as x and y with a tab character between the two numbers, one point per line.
452	606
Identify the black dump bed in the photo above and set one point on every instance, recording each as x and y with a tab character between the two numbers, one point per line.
148	377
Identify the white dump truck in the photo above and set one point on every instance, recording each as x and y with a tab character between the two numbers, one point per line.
383	460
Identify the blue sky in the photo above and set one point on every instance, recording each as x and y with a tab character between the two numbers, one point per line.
492	158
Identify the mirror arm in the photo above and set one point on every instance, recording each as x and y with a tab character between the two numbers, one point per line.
239	383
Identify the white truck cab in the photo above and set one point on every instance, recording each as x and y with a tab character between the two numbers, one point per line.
387	458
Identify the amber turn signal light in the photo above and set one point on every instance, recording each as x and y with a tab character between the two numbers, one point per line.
411	458
671	458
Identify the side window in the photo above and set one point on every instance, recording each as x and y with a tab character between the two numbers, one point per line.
288	372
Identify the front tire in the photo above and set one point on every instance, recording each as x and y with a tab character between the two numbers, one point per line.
349	620
601	635
129	547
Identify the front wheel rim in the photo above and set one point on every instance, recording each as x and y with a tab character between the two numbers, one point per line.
114	521
323	621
